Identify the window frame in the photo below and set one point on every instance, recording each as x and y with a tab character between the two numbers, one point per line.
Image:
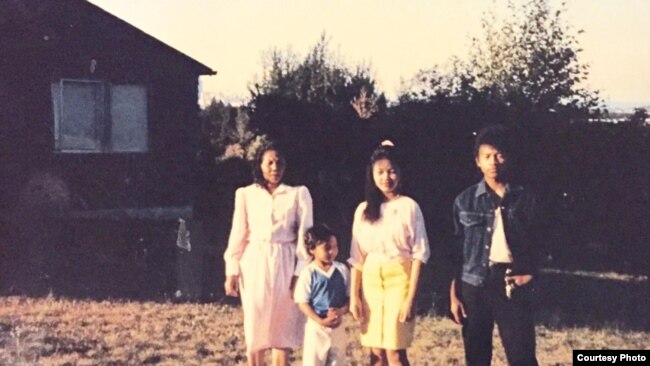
104	123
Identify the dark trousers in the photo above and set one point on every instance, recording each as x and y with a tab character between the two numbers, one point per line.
488	304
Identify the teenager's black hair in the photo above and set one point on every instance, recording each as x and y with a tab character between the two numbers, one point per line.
375	197
499	136
258	176
316	235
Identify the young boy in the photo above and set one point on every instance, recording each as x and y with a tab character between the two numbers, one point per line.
494	227
322	294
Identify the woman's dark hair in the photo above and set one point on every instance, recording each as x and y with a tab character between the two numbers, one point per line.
499	136
375	197
316	235
258	176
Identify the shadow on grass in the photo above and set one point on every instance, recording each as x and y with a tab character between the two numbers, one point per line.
140	261
100	260
575	299
565	299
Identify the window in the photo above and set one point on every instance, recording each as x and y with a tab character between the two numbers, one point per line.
93	116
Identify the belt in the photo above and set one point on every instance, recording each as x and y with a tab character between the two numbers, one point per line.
499	269
500	265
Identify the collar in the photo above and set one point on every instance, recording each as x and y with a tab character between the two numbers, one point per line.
328	273
282	188
483	188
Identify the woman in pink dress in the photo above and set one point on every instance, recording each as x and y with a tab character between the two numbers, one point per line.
263	261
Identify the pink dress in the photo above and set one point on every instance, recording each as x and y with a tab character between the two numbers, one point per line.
262	250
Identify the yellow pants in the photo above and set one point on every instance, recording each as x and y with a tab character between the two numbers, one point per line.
385	287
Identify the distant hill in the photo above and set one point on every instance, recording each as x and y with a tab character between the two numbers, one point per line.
627	108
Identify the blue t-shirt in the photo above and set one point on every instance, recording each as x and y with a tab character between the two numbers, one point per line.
323	290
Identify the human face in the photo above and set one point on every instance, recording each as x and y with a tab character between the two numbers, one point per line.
386	177
325	252
272	167
491	162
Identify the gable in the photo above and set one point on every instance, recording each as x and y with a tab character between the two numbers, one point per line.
76	26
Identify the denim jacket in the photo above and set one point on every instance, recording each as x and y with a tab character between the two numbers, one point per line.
474	222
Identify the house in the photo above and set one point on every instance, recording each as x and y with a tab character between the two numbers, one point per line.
97	118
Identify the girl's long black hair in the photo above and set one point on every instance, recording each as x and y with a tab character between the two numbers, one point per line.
375	197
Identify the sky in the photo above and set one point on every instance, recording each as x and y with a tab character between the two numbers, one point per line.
396	38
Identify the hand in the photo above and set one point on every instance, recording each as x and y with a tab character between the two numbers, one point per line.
341	311
356	308
406	311
520	280
292	285
232	286
332	320
457	311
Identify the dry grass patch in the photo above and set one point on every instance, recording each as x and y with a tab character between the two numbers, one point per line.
70	332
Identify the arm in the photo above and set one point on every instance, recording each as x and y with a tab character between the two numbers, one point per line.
455	250
345	272
305	221
526	273
237	243
357	257
406	312
331	321
343	310
356	305
420	252
455	304
337	315
302	295
420	249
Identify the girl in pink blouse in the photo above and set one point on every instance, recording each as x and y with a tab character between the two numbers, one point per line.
263	261
389	246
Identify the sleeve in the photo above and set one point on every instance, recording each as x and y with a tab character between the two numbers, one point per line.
305	221
303	287
357	255
455	250
238	239
346	277
539	216
420	245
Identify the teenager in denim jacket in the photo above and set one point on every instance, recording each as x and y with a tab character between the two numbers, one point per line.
494	222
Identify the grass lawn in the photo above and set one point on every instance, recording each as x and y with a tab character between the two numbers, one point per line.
50	331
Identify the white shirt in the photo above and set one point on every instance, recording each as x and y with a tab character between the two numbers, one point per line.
261	217
499	250
399	233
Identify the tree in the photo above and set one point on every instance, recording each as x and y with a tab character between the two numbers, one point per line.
320	78
526	61
227	132
531	59
639	117
434	85
316	107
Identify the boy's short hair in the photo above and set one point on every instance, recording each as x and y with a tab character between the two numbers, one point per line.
498	136
316	235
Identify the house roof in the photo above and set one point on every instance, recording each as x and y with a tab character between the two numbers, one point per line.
35	23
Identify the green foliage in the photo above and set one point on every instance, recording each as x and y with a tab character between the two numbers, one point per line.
320	78
526	61
315	108
639	117
531	58
434	85
228	131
